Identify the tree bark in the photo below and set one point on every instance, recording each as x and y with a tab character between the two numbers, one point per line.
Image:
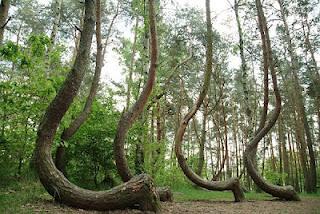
4	9
138	191
286	192
231	184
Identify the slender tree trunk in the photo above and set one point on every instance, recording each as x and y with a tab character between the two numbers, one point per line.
57	6
132	62
203	137
4	9
273	159
235	138
284	152
301	146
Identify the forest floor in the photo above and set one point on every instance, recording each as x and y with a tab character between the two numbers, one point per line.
304	207
32	198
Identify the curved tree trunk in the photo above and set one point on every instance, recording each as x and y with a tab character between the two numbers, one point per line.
232	184
60	155
137	192
4	9
286	192
127	118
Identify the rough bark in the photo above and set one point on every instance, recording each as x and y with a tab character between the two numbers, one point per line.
231	184
286	192
4	9
137	192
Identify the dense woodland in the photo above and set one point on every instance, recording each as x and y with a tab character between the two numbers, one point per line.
196	107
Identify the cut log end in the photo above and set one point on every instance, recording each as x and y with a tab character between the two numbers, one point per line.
165	194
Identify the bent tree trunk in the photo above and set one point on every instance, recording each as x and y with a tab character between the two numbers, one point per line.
131	115
138	192
232	184
60	156
286	192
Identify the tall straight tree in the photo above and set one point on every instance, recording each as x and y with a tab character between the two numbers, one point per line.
311	180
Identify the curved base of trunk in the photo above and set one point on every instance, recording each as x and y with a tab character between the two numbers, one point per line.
139	192
232	184
165	194
285	192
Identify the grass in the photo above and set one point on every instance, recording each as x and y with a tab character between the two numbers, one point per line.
15	197
196	194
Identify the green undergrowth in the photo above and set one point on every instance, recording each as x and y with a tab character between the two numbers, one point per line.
19	196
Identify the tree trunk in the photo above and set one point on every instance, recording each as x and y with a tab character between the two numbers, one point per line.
60	156
202	138
4	9
57	7
128	118
60	159
287	192
231	184
132	61
284	153
138	191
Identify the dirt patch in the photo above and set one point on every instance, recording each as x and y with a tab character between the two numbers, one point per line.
305	206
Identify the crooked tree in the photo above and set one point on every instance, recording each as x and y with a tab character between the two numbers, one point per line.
265	125
128	117
81	118
232	184
138	191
